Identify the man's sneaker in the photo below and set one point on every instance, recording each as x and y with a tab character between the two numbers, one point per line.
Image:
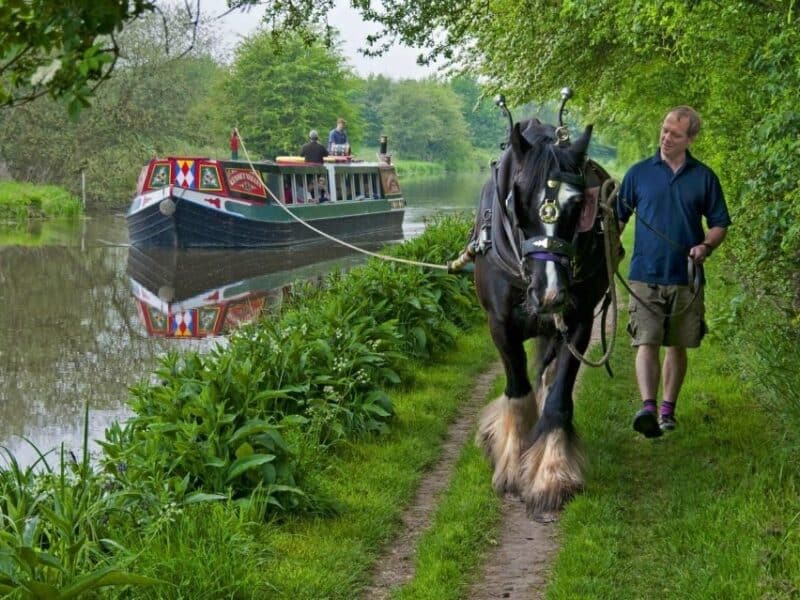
667	422
646	423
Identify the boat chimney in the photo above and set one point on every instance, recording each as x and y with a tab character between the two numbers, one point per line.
382	155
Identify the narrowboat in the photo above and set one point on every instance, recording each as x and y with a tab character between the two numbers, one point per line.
194	202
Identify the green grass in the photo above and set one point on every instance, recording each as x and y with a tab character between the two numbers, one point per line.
708	511
372	482
463	529
21	201
702	513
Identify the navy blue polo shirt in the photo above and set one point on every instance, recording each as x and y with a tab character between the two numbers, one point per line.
673	204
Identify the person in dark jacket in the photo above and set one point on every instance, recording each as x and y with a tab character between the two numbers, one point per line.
313	151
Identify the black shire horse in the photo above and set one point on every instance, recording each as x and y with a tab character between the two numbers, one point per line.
545	266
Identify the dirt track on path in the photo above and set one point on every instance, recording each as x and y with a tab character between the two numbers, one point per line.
518	566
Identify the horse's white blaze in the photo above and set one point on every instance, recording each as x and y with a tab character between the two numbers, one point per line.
551	277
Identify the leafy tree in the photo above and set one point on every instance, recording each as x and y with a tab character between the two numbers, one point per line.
486	126
424	121
280	88
373	91
60	48
152	105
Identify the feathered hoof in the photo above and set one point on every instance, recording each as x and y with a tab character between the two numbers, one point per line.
501	431
551	473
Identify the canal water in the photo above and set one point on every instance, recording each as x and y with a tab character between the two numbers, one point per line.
83	316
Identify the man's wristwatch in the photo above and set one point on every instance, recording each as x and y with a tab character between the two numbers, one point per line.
709	247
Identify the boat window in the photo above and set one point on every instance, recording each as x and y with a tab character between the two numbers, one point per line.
358	188
288	190
376	190
299	188
273	181
340	187
370	191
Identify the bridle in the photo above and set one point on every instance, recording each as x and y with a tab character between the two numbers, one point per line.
539	247
550	247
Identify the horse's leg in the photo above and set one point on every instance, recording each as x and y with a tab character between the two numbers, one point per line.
503	424
552	466
546	352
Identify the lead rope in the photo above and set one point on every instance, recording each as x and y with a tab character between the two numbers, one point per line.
325	235
608	194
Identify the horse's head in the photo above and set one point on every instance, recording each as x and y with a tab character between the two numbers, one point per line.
544	192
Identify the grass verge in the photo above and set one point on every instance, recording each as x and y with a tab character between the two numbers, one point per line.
708	511
374	481
21	201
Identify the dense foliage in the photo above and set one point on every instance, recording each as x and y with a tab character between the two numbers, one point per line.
278	90
60	48
140	113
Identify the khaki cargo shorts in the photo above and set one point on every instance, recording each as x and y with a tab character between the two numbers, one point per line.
651	327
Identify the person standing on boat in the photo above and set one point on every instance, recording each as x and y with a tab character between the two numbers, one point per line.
235	144
313	151
337	139
338	135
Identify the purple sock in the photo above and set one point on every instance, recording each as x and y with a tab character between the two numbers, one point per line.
667	408
650	405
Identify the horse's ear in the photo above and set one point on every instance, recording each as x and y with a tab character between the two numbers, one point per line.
580	145
518	142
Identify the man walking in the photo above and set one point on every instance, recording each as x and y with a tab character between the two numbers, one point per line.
671	193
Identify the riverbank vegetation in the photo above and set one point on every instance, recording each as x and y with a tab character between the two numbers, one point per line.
26	201
244	434
628	62
275	89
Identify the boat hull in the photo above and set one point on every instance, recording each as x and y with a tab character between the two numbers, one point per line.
182	219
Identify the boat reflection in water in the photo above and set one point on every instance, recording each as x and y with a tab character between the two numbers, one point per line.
196	293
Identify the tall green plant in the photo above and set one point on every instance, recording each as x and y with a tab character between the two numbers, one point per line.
53	528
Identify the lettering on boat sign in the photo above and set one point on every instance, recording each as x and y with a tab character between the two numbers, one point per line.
246	182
